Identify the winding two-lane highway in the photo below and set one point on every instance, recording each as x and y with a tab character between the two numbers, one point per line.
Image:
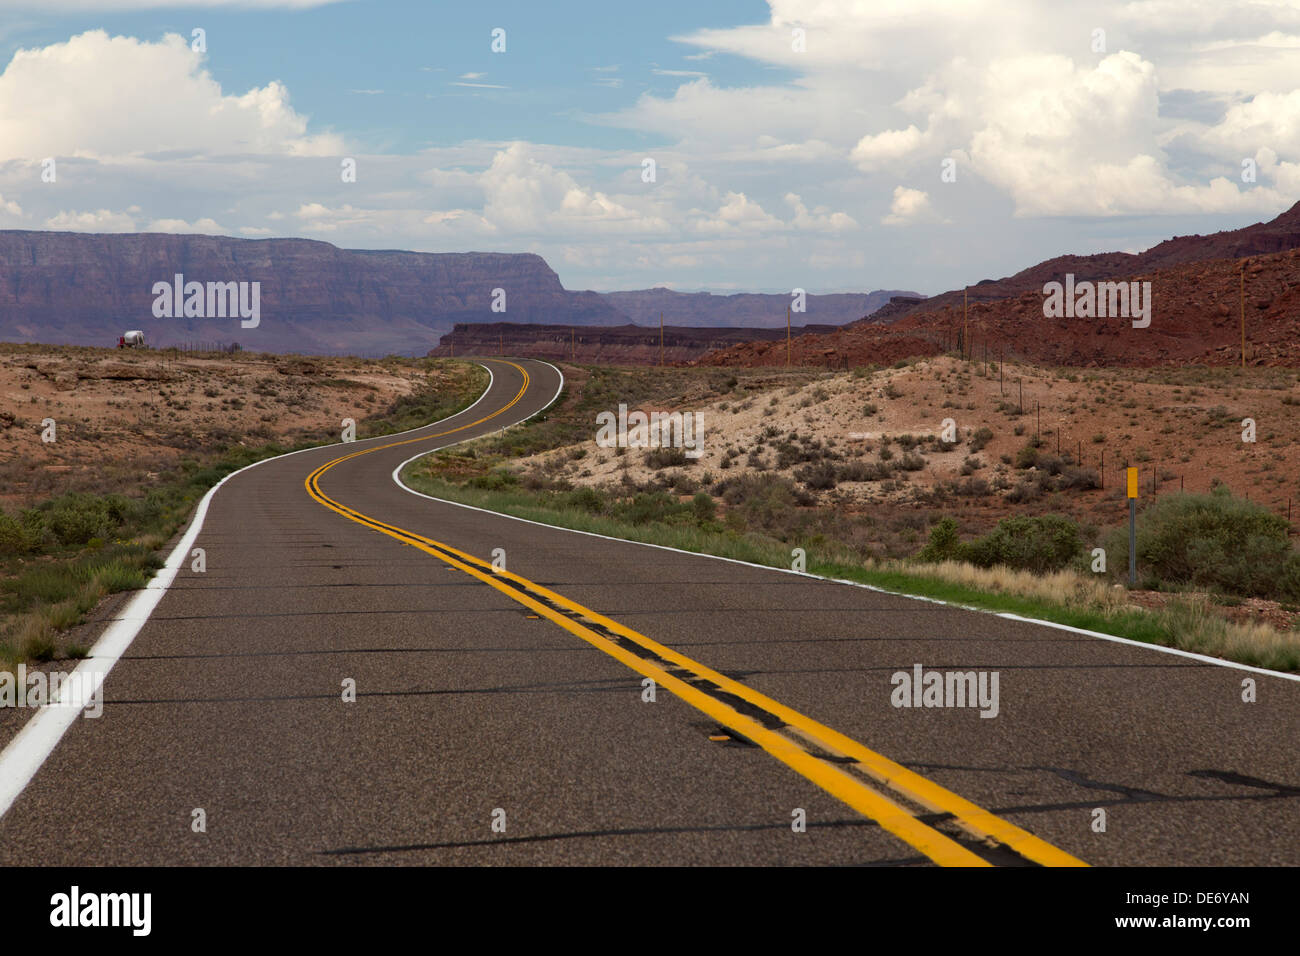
501	716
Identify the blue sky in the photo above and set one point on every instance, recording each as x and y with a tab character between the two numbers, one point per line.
777	166
411	50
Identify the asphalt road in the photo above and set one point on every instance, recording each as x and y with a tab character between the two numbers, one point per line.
517	697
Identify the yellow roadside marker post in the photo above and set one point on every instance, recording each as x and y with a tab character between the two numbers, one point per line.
1132	526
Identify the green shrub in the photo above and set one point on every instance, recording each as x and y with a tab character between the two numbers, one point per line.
586	499
19	537
1042	543
944	543
1213	541
648	507
1039	543
495	480
1027	457
76	519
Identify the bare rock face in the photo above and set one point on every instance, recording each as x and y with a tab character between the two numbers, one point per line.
83	289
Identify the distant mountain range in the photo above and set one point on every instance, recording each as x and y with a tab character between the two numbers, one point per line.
707	310
84	289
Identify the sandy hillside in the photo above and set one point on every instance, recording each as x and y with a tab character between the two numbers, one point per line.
1179	433
121	413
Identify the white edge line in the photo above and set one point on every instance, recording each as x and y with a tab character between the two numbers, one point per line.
1203	658
37	738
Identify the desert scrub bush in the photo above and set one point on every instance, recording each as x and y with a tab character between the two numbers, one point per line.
494	480
1072	476
76	518
1037	543
863	471
945	543
981	437
666	457
649	507
973	487
23	535
1213	541
1029	457
763	497
819	476
586	499
1041	543
683	483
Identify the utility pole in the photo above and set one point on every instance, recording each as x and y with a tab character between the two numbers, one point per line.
787	336
999	371
573	344
965	322
1243	313
661	338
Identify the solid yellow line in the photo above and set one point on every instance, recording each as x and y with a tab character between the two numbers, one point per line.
890	815
407	441
973	818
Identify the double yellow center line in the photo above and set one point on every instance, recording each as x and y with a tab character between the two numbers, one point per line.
853	773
